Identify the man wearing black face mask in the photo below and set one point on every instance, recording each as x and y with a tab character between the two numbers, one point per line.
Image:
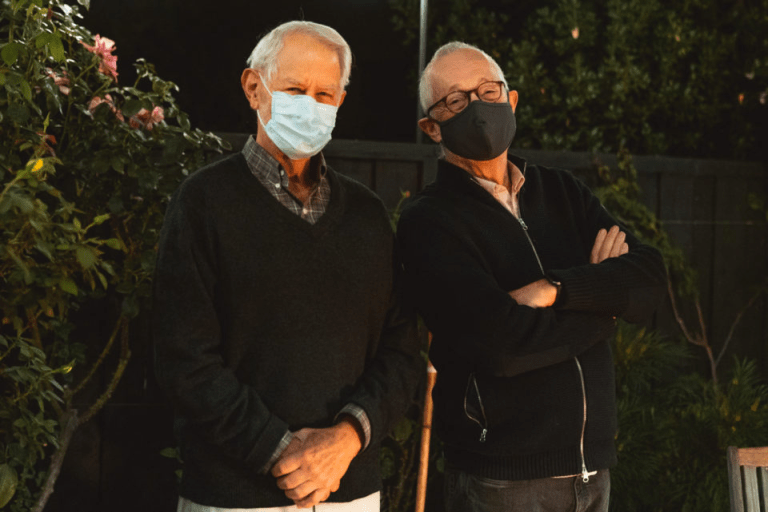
520	274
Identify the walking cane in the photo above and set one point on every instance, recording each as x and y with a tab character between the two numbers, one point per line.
426	430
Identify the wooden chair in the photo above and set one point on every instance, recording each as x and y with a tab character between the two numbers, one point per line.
748	479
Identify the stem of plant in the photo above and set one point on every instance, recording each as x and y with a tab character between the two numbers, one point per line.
70	425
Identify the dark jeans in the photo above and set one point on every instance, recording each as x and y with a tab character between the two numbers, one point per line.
470	493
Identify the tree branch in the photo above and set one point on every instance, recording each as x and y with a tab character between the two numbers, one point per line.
125	356
696	340
102	356
69	420
736	322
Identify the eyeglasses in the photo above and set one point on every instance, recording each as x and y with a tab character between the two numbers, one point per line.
457	101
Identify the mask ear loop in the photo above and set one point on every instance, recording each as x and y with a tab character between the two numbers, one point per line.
258	116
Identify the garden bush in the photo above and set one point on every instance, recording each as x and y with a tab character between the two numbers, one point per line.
673	77
86	166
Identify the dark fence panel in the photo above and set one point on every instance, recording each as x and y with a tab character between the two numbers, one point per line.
114	462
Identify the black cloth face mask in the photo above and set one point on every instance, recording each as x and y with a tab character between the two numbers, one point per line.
482	131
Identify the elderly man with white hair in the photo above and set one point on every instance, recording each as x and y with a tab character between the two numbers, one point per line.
279	336
520	274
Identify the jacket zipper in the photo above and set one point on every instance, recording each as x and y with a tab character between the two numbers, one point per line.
584	472
530	242
484	424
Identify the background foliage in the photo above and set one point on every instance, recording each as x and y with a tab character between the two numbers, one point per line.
679	77
86	167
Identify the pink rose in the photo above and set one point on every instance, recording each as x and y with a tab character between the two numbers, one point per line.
103	48
147	119
60	80
96	101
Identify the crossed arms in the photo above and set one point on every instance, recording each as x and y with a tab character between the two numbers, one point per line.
542	293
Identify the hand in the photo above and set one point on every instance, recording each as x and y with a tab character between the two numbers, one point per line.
310	469
608	244
538	294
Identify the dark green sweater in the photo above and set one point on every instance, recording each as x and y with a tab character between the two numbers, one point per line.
463	251
265	323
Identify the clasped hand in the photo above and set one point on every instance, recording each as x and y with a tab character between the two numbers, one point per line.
542	294
312	465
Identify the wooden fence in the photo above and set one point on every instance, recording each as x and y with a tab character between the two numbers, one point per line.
114	462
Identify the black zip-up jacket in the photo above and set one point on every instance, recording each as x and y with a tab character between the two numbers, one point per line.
522	393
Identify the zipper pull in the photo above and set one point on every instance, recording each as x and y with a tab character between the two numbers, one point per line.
522	223
584	474
483	435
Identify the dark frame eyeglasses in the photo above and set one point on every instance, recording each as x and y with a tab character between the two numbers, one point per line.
457	101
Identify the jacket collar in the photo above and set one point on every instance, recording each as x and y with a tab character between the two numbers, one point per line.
453	176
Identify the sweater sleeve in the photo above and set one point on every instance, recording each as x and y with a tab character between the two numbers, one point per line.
630	286
464	306
388	386
187	335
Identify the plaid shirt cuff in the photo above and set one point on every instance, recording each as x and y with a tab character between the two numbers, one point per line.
284	442
360	415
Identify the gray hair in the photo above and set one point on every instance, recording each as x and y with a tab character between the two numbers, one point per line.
426	91
264	55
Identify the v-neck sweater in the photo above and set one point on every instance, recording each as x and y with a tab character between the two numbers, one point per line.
264	323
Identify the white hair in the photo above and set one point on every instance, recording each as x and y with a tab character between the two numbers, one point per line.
264	55
426	91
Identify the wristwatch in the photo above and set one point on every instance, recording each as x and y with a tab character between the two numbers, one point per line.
558	285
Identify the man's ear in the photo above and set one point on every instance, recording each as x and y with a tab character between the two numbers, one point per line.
251	81
513	99
431	128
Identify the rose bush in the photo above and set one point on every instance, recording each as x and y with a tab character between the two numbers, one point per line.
86	168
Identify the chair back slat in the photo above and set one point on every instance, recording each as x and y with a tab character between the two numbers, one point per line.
751	492
748	479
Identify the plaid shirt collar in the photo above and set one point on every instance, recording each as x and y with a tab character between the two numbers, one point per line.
274	178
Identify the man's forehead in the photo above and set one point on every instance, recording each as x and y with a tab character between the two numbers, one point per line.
460	69
303	55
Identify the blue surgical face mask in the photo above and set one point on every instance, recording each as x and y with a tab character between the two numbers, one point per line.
300	126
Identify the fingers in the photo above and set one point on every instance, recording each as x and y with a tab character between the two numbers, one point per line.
597	247
313	499
302	491
618	243
306	494
610	238
314	463
287	463
608	244
293	480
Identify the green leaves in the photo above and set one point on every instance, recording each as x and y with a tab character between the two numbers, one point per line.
9	479
10	52
132	107
68	285
86	256
51	41
84	182
679	77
